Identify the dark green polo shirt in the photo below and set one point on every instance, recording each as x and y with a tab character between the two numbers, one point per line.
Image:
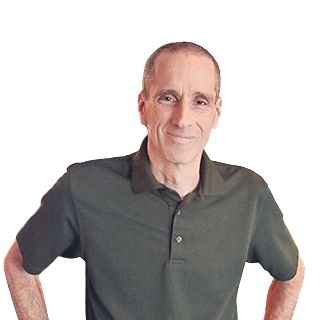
150	255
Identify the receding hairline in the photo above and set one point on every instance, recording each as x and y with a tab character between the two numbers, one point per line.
173	48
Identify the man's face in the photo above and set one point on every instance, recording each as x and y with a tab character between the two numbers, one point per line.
181	108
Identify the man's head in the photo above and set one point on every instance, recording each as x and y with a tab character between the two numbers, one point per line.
180	102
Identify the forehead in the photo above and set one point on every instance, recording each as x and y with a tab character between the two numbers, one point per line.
184	69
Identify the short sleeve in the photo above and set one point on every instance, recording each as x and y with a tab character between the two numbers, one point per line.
272	245
52	231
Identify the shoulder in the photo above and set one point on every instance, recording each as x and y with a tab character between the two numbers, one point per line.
100	168
240	176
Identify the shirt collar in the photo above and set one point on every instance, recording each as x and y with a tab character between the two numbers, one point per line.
142	179
211	182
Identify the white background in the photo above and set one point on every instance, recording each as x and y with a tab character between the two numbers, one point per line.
70	72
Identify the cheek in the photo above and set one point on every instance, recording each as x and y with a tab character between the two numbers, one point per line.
206	124
156	117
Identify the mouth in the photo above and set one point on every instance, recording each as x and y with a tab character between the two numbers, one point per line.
180	137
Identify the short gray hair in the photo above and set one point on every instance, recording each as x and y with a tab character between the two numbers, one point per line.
177	47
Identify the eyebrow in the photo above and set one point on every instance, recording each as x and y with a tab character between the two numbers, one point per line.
167	91
208	97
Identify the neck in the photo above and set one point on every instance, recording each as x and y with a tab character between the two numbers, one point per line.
182	178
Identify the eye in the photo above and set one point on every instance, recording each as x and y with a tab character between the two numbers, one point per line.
201	103
167	99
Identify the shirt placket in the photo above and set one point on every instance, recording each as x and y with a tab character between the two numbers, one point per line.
178	237
178	234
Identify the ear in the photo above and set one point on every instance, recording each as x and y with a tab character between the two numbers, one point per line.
217	107
141	107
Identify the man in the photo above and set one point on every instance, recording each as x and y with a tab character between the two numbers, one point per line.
165	232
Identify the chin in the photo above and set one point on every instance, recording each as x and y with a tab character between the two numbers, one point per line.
180	158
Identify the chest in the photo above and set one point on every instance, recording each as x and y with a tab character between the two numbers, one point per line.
143	229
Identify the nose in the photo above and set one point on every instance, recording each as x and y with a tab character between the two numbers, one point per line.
181	115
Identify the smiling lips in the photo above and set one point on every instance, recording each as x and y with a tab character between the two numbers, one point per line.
180	138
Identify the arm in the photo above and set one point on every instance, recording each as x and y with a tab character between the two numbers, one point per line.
25	289
283	295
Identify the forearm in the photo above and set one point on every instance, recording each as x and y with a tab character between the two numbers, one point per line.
25	289
283	296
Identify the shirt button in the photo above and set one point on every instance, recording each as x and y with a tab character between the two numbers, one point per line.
179	239
179	213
